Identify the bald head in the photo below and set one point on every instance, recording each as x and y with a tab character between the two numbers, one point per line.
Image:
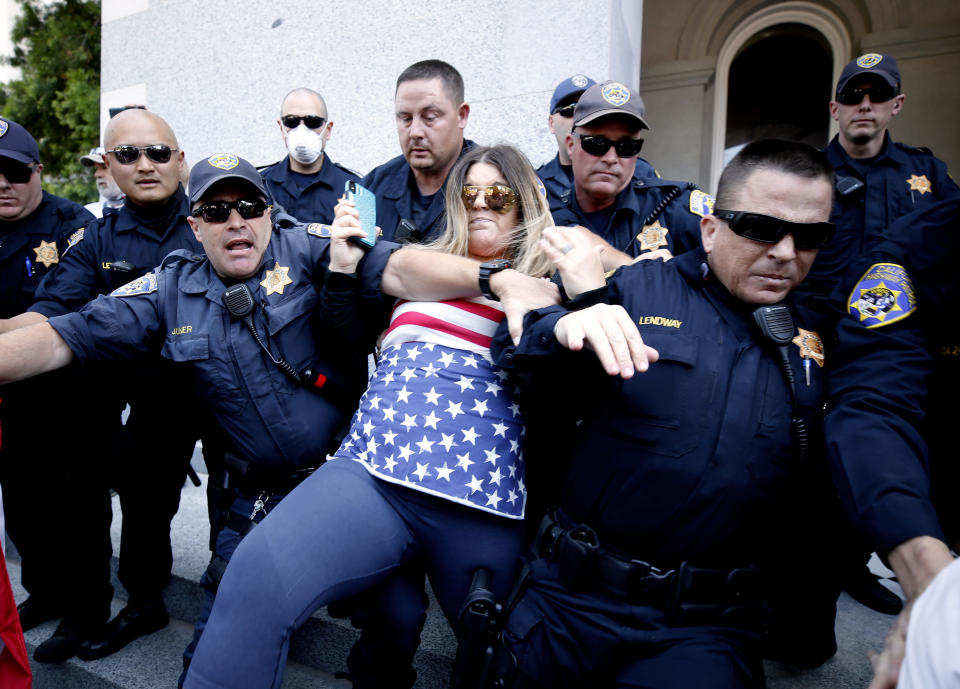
304	97
134	118
146	181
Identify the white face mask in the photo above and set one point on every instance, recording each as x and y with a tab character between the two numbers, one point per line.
304	144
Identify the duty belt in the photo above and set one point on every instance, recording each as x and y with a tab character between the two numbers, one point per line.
252	479
689	595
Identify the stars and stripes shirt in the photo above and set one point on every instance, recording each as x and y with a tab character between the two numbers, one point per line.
438	416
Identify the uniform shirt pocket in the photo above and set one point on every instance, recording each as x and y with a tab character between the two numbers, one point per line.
213	376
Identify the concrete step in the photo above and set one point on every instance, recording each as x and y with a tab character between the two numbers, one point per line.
320	647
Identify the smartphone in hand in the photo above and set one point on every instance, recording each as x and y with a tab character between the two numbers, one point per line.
365	202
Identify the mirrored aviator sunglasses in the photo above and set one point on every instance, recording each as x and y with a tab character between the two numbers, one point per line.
158	153
770	230
219	211
499	198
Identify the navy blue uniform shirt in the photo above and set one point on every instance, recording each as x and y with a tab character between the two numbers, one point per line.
394	185
900	181
558	178
676	227
893	387
686	461
315	201
177	310
89	267
33	246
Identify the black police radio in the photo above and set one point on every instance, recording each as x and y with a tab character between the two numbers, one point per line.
240	303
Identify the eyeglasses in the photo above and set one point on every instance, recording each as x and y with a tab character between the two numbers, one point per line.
770	230
17	173
597	145
566	110
312	121
128	155
219	211
499	197
879	93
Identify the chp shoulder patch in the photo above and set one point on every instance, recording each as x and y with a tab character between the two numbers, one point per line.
319	229
701	203
145	284
884	295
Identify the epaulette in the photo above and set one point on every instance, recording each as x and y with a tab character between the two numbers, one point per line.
179	256
566	197
281	219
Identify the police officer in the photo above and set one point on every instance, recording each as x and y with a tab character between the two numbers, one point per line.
879	180
150	455
647	217
34	471
431	117
649	571
556	174
306	184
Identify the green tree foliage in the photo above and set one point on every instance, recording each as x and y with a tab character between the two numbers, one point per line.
57	97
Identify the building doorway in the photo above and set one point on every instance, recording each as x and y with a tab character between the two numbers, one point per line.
780	83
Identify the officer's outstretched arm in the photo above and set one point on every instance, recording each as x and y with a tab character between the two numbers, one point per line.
21	321
30	351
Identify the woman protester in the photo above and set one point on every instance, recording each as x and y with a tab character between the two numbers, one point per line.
429	477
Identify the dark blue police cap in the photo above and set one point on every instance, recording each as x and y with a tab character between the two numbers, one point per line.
219	167
879	64
17	143
575	85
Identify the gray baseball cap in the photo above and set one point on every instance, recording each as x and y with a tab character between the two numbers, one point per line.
609	98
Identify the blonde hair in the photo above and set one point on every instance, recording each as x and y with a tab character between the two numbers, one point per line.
534	212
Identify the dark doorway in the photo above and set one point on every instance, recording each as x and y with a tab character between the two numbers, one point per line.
779	86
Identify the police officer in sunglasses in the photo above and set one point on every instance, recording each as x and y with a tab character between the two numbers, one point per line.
557	175
630	217
306	183
34	460
654	569
146	460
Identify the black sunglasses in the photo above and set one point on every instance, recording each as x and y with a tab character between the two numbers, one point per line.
566	110
158	153
17	173
312	121
770	230
597	145
879	93
219	211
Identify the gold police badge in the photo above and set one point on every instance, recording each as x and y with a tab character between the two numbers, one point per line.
919	183
275	280
653	236
47	253
810	344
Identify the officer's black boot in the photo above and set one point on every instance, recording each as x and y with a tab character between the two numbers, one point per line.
135	620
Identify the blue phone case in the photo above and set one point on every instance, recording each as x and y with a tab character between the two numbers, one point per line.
366	204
